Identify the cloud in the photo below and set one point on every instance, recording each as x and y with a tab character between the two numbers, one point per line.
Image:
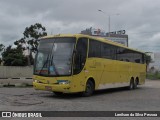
140	18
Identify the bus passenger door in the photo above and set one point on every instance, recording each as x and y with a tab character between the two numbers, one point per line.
79	68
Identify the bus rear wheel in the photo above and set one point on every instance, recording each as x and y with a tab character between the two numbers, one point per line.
89	89
136	84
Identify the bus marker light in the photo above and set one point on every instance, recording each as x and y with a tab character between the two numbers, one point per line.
63	81
48	88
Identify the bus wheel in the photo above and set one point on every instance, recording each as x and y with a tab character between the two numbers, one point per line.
135	83
131	85
89	89
58	93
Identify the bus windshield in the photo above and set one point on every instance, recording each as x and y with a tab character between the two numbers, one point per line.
54	56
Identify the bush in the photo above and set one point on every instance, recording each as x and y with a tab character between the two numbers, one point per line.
153	76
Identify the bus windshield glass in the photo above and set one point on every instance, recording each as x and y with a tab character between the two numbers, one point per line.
54	56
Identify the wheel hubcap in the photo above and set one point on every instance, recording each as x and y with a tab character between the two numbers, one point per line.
88	88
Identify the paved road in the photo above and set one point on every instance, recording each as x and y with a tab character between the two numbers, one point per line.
145	98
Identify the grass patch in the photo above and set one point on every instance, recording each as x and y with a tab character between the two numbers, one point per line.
153	76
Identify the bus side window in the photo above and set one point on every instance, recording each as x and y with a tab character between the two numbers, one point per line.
127	60
94	49
137	60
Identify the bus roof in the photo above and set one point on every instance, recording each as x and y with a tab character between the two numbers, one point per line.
98	38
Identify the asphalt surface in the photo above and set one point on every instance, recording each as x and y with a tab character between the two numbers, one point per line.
145	98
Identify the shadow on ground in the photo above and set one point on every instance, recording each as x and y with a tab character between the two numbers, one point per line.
96	93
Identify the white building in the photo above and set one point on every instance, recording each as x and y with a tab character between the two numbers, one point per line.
155	62
116	36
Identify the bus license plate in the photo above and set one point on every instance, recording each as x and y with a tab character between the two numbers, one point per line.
48	88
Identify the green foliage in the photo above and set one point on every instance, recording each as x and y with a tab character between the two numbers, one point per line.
30	40
31	36
153	76
0	61
14	57
148	59
1	47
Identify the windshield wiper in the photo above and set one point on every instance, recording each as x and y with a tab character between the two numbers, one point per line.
44	65
52	63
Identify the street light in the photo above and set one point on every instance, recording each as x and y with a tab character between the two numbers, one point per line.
109	16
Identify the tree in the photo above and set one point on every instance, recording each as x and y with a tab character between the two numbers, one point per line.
148	59
14	57
30	40
2	47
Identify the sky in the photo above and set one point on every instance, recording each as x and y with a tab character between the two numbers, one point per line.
140	18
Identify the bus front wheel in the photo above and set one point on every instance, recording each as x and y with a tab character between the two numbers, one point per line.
58	93
89	89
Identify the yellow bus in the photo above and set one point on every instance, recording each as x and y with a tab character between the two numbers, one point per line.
80	63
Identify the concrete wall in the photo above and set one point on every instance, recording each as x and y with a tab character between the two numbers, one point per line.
12	75
156	63
16	72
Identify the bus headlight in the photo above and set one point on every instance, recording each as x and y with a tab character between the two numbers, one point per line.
37	81
63	81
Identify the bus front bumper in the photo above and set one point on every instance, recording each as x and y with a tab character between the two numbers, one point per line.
65	88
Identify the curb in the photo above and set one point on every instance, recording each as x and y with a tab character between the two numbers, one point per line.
20	85
15	85
16	82
2	85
